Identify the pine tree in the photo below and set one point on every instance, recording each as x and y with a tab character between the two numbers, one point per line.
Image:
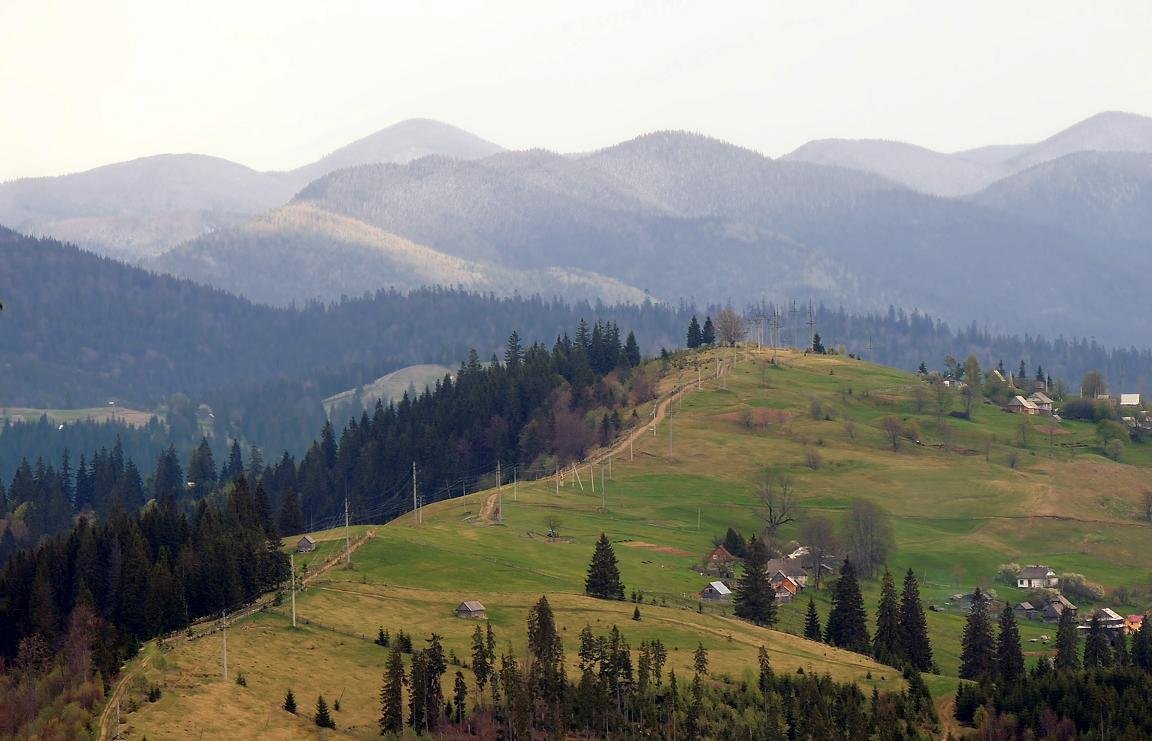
765	682
755	596
290	702
603	573
632	351
1120	654
392	693
1142	646
291	519
817	344
708	334
459	697
1067	640
812	622
847	622
914	626
887	647
1009	656
694	336
546	670
735	544
322	717
977	646
1097	651
700	660
481	666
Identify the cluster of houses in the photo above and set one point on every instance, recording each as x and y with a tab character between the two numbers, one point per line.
1037	403
788	575
1053	607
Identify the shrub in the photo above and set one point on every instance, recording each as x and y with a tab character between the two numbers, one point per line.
813	459
1114	450
1076	586
1006	573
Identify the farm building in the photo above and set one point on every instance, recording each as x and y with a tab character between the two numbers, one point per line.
1056	607
1043	403
1110	620
1129	400
1037	577
1133	623
788	568
471	609
1026	611
716	591
306	544
786	590
720	561
1020	405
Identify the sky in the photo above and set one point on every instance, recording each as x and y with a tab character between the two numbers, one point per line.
275	85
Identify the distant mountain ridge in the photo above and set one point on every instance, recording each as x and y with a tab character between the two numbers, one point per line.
141	208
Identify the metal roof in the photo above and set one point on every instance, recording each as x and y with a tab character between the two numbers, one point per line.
720	588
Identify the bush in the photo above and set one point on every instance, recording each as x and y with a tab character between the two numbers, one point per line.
813	459
1084	409
1114	450
1109	430
1006	573
1076	586
241	679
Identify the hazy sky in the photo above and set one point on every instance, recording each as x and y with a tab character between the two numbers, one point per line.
276	84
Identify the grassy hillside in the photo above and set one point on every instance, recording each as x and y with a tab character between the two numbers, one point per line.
958	512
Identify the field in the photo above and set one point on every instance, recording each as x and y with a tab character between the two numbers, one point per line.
989	496
135	417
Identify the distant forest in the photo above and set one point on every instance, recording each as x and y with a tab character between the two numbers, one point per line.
100	330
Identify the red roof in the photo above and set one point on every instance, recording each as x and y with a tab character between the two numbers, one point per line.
788	585
720	553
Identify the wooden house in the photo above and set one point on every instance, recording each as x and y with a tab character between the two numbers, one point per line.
471	609
1037	577
1020	405
717	591
1043	403
306	544
786	590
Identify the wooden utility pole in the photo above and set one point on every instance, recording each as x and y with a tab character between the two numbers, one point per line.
224	617
292	561
347	541
415	511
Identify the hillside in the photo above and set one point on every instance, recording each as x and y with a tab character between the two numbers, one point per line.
959	509
143	207
386	388
298	253
918	168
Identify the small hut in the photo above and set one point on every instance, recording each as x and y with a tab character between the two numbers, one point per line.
306	544
717	591
471	609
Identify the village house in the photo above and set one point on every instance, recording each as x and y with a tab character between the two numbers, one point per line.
1026	611
787	568
717	591
786	590
1129	400
720	562
471	609
1110	620
1056	607
1133	623
1042	402
306	544
1037	577
1020	405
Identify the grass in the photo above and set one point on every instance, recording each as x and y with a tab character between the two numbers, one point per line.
958	512
134	417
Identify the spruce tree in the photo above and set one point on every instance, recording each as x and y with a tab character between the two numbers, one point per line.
847	622
914	626
977	646
322	717
1009	656
755	597
708	334
1067	653
546	670
1120	654
1097	651
459	697
603	573
290	702
1142	646
693	334
812	622
765	683
481	666
887	647
392	693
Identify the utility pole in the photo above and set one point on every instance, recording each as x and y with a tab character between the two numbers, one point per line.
557	477
292	560
515	481
415	511
603	497
669	429
224	617
592	476
697	518
347	542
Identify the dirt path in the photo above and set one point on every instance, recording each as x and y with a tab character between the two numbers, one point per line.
108	727
488	509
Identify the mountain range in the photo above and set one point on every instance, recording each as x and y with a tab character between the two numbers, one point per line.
671	215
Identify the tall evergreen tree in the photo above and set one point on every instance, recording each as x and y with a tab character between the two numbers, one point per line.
546	670
290	702
1009	655
418	693
632	351
708	334
735	544
235	466
291	519
392	693
812	622
481	666
977	646
513	352
755	596
1142	646
322	717
847	622
202	469
914	626
604	573
694	334
1097	651
887	647
1067	643
459	697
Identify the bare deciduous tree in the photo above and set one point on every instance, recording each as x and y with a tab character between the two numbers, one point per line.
867	536
893	429
850	429
777	502
1148	505
819	538
729	326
